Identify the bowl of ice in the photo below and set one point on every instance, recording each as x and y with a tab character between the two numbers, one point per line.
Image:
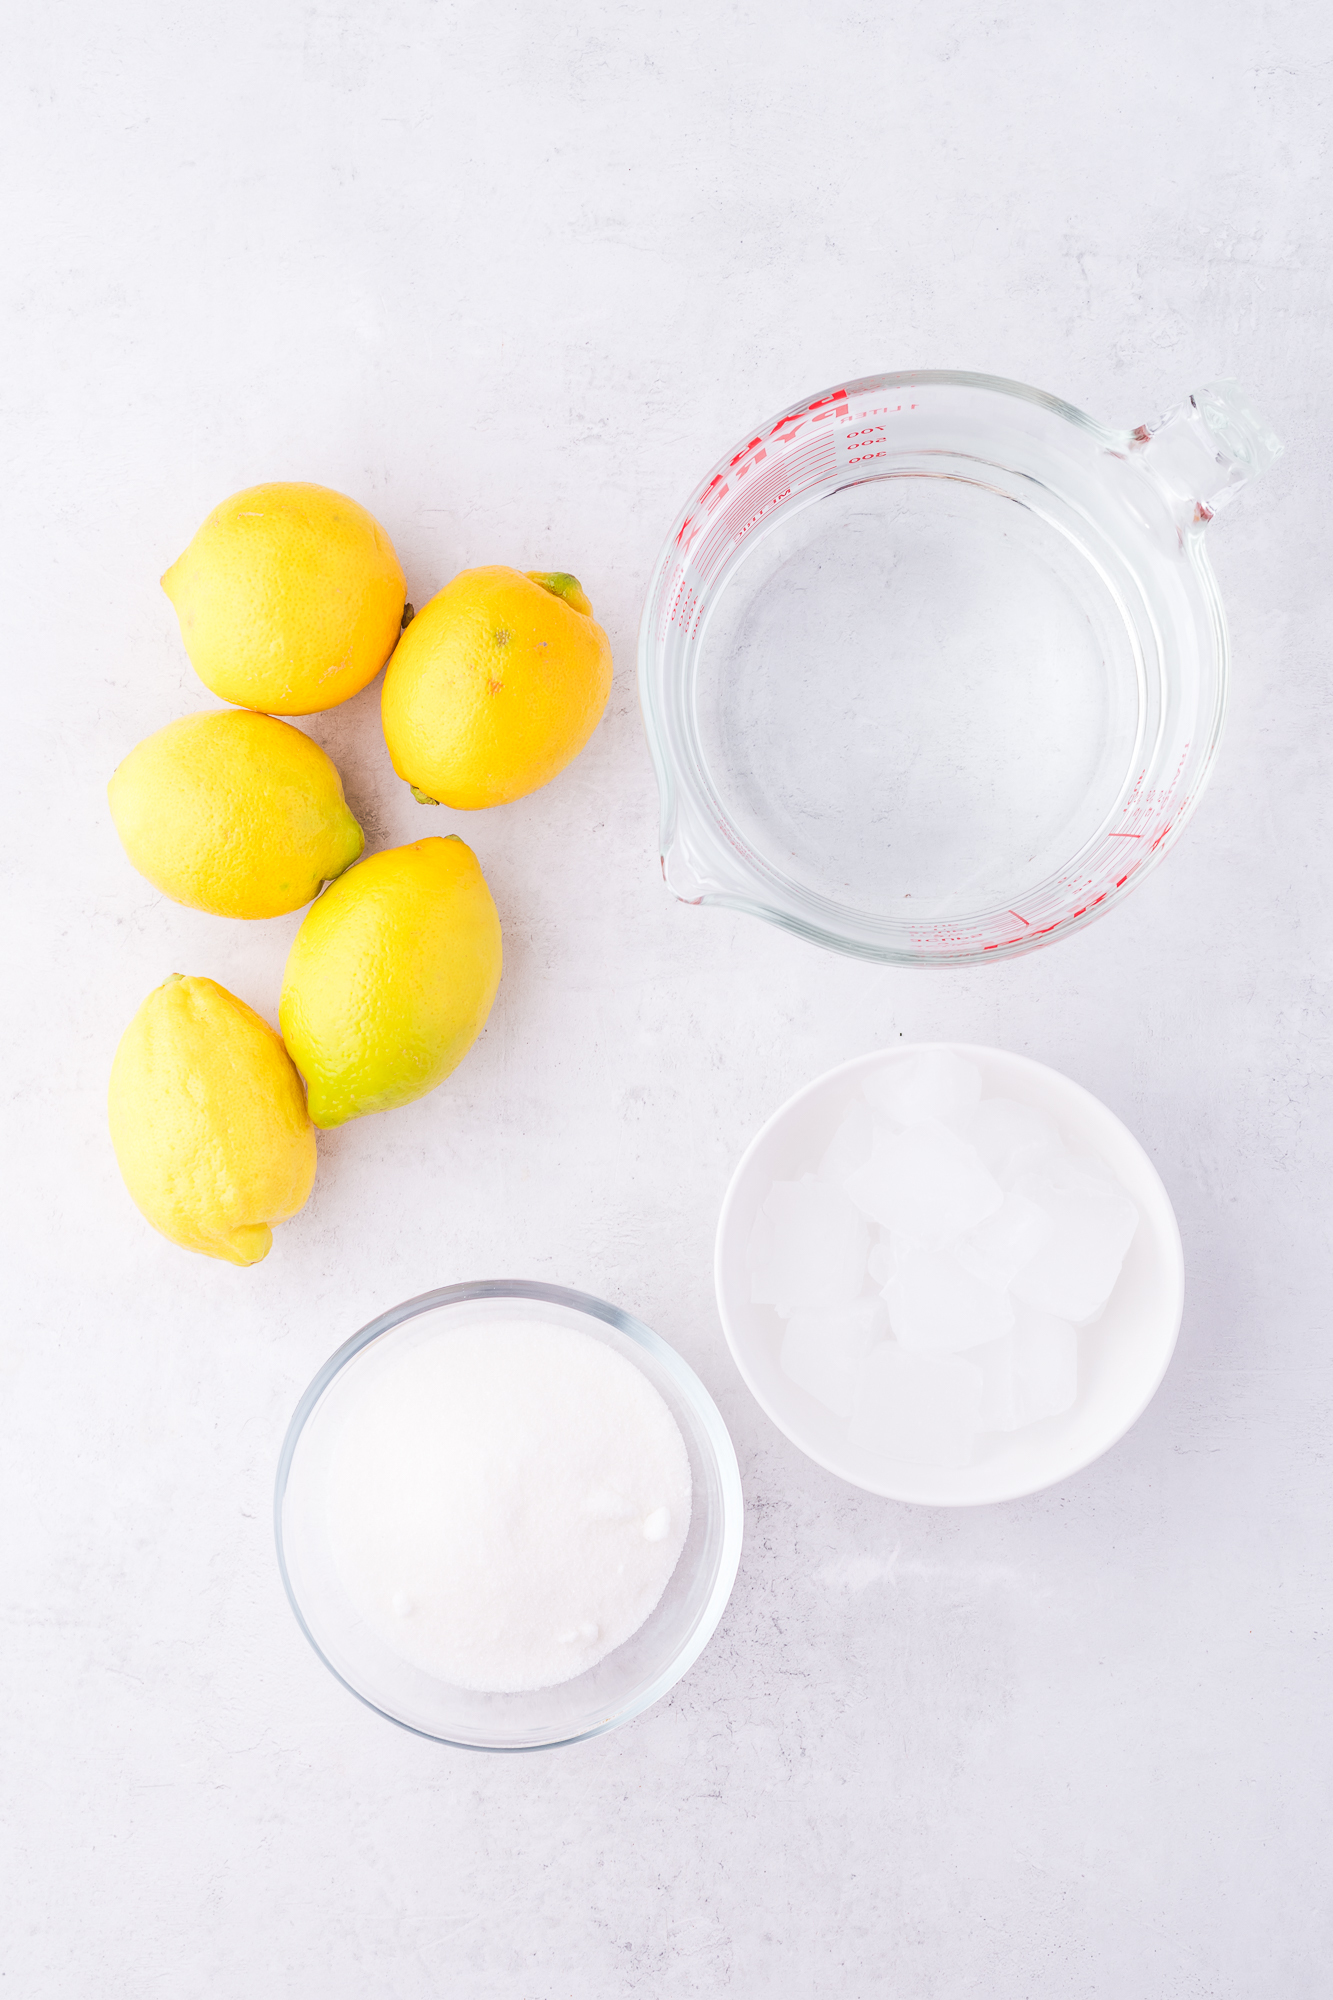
949	1274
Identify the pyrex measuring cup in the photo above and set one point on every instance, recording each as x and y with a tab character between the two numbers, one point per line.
933	665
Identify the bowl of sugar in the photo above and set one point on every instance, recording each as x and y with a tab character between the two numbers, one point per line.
508	1516
949	1274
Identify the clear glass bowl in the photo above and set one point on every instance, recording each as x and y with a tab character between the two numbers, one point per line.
933	666
620	1686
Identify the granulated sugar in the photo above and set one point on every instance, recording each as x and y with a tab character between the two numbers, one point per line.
508	1501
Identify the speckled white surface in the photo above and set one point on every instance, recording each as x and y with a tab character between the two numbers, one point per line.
513	276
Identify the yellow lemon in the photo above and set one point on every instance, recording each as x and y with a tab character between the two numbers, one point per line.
290	598
495	686
234	813
390	978
208	1120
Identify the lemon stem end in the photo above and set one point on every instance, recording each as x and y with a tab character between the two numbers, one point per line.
561	584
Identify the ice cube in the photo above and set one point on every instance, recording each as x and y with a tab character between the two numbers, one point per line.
882	1261
921	1407
1079	1167
935	1306
1011	1138
997	1410
1092	1224
999	1248
849	1147
1045	1365
934	1084
925	1183
822	1350
1032	1373
807	1248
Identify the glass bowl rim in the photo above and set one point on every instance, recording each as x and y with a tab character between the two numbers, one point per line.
732	1504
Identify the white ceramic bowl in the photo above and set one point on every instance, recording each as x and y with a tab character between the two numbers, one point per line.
1122	1359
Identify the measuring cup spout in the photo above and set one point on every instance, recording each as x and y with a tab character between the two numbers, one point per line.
1205	451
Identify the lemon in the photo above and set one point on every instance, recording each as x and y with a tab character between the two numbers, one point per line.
496	684
390	978
290	598
209	1121
233	813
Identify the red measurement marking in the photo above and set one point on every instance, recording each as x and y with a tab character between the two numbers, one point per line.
775	484
754	519
1022	920
784	430
1124	836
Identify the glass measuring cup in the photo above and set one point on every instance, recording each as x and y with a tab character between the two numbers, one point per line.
933	665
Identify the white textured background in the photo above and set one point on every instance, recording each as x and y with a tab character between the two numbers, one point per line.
513	277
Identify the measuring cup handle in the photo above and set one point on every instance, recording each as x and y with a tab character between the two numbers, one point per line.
1205	451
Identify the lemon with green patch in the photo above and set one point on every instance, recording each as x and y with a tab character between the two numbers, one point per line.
390	978
234	813
495	687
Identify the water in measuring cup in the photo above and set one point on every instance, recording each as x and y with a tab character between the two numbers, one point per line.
917	695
